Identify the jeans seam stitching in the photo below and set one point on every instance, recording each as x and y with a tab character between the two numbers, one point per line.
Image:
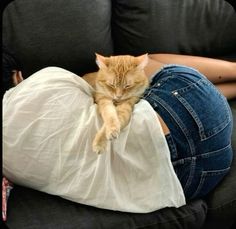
191	174
178	121
193	114
208	154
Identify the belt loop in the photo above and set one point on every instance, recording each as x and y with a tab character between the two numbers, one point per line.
172	147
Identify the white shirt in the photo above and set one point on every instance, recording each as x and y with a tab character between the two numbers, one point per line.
49	122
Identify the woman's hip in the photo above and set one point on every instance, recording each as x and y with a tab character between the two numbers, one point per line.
195	112
200	124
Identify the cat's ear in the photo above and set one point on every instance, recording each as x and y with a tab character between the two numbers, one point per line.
101	61
142	61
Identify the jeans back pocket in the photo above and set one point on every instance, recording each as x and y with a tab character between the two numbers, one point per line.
208	181
207	107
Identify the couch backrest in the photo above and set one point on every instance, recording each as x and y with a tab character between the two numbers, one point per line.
63	33
68	33
202	27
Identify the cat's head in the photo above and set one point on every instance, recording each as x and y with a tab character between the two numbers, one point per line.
121	77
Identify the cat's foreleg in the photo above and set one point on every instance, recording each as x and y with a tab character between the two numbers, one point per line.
109	130
100	141
110	118
124	111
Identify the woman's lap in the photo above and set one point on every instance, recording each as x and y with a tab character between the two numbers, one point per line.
200	124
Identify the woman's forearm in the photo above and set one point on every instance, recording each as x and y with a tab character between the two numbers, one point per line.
217	71
227	89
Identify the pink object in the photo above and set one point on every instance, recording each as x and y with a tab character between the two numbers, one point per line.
6	189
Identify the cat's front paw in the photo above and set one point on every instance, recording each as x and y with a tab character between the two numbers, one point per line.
99	144
99	148
113	131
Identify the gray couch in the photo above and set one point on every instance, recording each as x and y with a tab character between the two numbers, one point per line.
67	34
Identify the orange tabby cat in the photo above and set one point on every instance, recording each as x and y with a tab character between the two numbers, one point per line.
119	84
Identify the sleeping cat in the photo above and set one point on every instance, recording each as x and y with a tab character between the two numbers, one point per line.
119	84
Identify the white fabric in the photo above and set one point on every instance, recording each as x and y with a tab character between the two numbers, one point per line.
49	122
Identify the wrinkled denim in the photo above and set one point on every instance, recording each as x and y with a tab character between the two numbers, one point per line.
200	123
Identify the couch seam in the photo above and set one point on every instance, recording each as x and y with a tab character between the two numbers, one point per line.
168	221
209	208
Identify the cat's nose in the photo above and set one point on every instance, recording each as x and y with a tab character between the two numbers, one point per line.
118	93
118	96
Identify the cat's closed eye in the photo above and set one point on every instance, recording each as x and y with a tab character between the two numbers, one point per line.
127	86
110	85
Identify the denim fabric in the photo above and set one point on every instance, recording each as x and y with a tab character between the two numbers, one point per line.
200	123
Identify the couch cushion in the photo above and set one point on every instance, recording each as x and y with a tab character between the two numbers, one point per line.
204	27
32	209
58	33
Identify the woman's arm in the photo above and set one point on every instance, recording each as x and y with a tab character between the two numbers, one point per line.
227	89
217	71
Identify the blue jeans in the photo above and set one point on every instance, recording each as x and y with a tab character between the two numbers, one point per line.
200	124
